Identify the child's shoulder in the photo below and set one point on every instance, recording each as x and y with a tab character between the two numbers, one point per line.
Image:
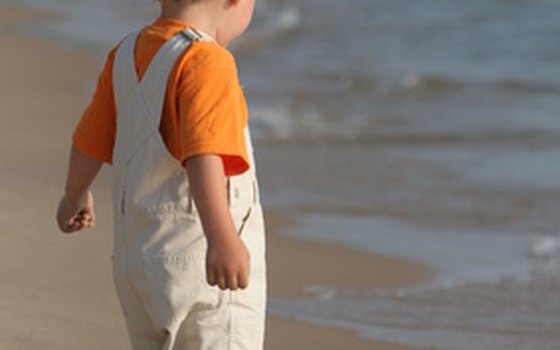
209	55
207	61
202	53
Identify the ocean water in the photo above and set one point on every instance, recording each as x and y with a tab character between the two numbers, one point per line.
424	129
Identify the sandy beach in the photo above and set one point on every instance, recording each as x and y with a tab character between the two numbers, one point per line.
57	291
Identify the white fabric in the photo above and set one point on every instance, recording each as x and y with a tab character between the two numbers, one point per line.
159	245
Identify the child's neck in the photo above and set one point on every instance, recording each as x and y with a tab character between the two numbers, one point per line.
194	14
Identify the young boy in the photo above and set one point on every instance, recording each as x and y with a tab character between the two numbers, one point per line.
170	116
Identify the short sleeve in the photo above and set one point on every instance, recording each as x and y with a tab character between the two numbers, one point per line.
95	133
213	111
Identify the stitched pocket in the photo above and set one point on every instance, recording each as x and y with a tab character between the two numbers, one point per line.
172	283
243	220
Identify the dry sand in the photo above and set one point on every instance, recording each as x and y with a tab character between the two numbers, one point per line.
56	290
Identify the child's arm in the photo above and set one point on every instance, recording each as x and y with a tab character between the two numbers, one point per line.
75	210
227	259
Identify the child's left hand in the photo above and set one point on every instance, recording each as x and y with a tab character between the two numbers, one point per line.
73	218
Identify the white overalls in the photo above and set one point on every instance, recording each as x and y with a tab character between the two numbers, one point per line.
159	245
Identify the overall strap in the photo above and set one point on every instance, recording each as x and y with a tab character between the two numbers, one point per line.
153	85
125	78
155	80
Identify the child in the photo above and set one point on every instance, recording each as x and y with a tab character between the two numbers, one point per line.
170	116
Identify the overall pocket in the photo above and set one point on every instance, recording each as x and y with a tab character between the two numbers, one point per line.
173	283
241	199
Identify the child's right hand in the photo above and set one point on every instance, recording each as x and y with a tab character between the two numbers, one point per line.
227	263
72	218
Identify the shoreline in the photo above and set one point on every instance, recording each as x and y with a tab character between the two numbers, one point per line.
56	278
338	258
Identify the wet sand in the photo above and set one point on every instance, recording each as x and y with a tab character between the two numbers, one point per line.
57	291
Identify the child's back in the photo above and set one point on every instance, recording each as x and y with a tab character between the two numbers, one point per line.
160	107
202	93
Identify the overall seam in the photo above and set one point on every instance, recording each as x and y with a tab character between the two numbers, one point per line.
230	321
127	268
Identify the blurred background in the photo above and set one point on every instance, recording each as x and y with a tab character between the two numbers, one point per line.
423	129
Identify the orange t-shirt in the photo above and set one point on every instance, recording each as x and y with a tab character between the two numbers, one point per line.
204	109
